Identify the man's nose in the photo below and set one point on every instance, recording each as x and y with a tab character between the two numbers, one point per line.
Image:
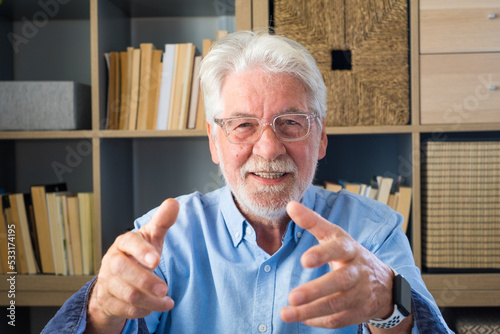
268	146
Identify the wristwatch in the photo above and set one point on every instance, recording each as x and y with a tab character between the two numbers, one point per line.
401	297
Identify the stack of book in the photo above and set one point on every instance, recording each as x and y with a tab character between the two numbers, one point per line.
49	231
382	189
151	89
461	205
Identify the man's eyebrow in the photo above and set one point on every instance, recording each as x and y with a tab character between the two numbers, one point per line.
291	110
241	114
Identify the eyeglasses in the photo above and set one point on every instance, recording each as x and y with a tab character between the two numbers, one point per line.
247	130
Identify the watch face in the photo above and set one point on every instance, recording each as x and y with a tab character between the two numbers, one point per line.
402	295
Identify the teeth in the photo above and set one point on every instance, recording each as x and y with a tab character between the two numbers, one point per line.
270	175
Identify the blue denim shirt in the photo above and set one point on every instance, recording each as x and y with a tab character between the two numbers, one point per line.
223	282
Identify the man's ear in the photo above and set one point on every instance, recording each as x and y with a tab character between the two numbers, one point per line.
324	142
211	143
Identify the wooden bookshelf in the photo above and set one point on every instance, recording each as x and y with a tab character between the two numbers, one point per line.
130	172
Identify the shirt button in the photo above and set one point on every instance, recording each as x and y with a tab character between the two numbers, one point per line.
262	328
267	268
299	234
237	235
249	230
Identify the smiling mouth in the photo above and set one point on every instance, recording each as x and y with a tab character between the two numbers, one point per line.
270	175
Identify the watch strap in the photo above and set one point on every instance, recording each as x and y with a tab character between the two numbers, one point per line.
394	320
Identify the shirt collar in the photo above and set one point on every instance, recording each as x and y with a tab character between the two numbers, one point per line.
236	222
309	201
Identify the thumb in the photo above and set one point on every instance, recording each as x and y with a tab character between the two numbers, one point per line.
155	230
311	221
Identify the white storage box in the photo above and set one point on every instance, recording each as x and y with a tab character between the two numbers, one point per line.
44	105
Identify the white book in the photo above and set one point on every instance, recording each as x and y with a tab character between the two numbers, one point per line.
166	87
384	189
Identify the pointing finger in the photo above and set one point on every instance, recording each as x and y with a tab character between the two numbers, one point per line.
312	221
334	243
155	230
153	233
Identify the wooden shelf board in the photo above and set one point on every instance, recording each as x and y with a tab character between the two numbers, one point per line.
466	298
336	130
38	298
455	290
173	8
46	134
479	127
383	129
41	290
463	281
151	133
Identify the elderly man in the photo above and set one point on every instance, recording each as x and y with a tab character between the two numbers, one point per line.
268	253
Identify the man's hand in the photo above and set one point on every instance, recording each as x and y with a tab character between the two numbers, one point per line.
358	288
126	287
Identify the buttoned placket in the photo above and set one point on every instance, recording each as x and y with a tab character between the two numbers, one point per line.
265	295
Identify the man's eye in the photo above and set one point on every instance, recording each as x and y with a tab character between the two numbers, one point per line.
244	125
290	122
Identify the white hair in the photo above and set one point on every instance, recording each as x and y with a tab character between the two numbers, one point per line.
244	50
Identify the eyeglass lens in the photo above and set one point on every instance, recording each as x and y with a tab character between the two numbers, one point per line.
286	127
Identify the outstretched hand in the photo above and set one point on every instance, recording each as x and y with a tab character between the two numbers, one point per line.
126	287
358	288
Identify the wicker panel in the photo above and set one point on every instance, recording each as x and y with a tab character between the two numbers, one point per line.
461	205
376	90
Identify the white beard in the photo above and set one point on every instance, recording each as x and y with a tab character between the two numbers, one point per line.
268	202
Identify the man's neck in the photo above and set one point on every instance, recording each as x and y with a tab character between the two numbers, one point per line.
269	232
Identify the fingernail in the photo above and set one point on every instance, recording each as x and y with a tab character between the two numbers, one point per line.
297	298
169	303
287	314
160	290
309	260
150	259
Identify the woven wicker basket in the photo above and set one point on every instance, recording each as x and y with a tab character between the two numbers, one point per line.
375	91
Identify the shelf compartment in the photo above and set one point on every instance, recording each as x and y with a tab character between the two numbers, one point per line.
139	173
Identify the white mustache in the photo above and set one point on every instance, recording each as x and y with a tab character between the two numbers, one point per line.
282	165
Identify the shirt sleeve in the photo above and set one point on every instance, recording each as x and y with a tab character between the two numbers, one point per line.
133	326
426	315
425	318
72	316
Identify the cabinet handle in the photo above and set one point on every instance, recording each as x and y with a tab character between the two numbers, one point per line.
492	87
491	16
